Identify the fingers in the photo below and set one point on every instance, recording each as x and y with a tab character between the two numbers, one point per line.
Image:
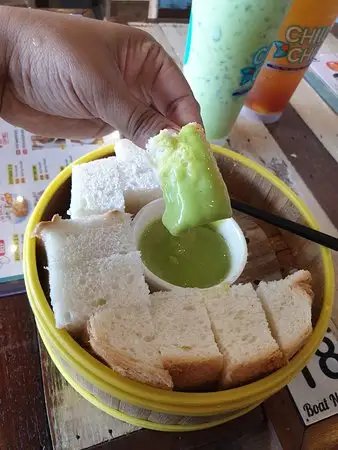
139	122
172	102
132	117
171	94
21	115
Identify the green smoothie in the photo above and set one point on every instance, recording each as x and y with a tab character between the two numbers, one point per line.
198	258
227	43
193	188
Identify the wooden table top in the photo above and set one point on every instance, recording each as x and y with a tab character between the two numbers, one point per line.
40	411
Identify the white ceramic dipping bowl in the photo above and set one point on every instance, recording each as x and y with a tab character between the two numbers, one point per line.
228	228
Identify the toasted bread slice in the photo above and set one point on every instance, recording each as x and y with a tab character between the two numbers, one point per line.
185	338
193	188
242	334
125	338
287	304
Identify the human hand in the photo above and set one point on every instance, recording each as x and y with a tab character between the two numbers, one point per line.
72	77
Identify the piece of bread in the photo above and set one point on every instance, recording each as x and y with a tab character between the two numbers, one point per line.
83	239
193	188
185	338
124	337
128	152
77	290
140	185
96	188
242	334
125	182
287	304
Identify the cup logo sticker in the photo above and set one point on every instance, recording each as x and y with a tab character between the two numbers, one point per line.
281	49
297	49
249	74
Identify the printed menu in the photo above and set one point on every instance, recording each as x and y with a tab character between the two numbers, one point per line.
323	77
28	163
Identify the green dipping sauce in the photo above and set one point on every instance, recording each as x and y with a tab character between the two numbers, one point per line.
198	258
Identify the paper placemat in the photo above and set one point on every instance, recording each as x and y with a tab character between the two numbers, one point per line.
28	163
323	77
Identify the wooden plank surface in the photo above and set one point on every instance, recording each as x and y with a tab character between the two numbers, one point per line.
249	434
74	422
76	425
319	117
309	157
23	419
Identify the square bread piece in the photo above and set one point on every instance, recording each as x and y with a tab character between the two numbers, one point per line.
185	338
242	334
287	305
124	337
96	188
83	239
127	152
140	185
76	291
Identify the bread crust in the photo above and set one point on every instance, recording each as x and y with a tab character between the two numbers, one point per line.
42	226
129	367
57	223
298	343
189	373
243	373
301	282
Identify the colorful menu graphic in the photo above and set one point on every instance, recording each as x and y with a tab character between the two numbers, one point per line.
323	77
28	163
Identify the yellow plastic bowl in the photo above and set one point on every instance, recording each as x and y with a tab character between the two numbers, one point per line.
168	411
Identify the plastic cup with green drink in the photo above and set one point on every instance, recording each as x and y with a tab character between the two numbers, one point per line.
227	43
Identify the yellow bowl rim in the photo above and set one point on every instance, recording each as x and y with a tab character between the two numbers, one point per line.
87	365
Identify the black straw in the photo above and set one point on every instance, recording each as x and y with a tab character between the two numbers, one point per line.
287	225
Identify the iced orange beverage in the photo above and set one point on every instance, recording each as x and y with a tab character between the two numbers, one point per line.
304	29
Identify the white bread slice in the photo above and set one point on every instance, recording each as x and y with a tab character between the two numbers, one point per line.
76	291
287	304
185	338
128	152
125	182
140	185
96	188
242	334
86	238
124	337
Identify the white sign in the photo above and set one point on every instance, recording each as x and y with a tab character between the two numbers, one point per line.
315	389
